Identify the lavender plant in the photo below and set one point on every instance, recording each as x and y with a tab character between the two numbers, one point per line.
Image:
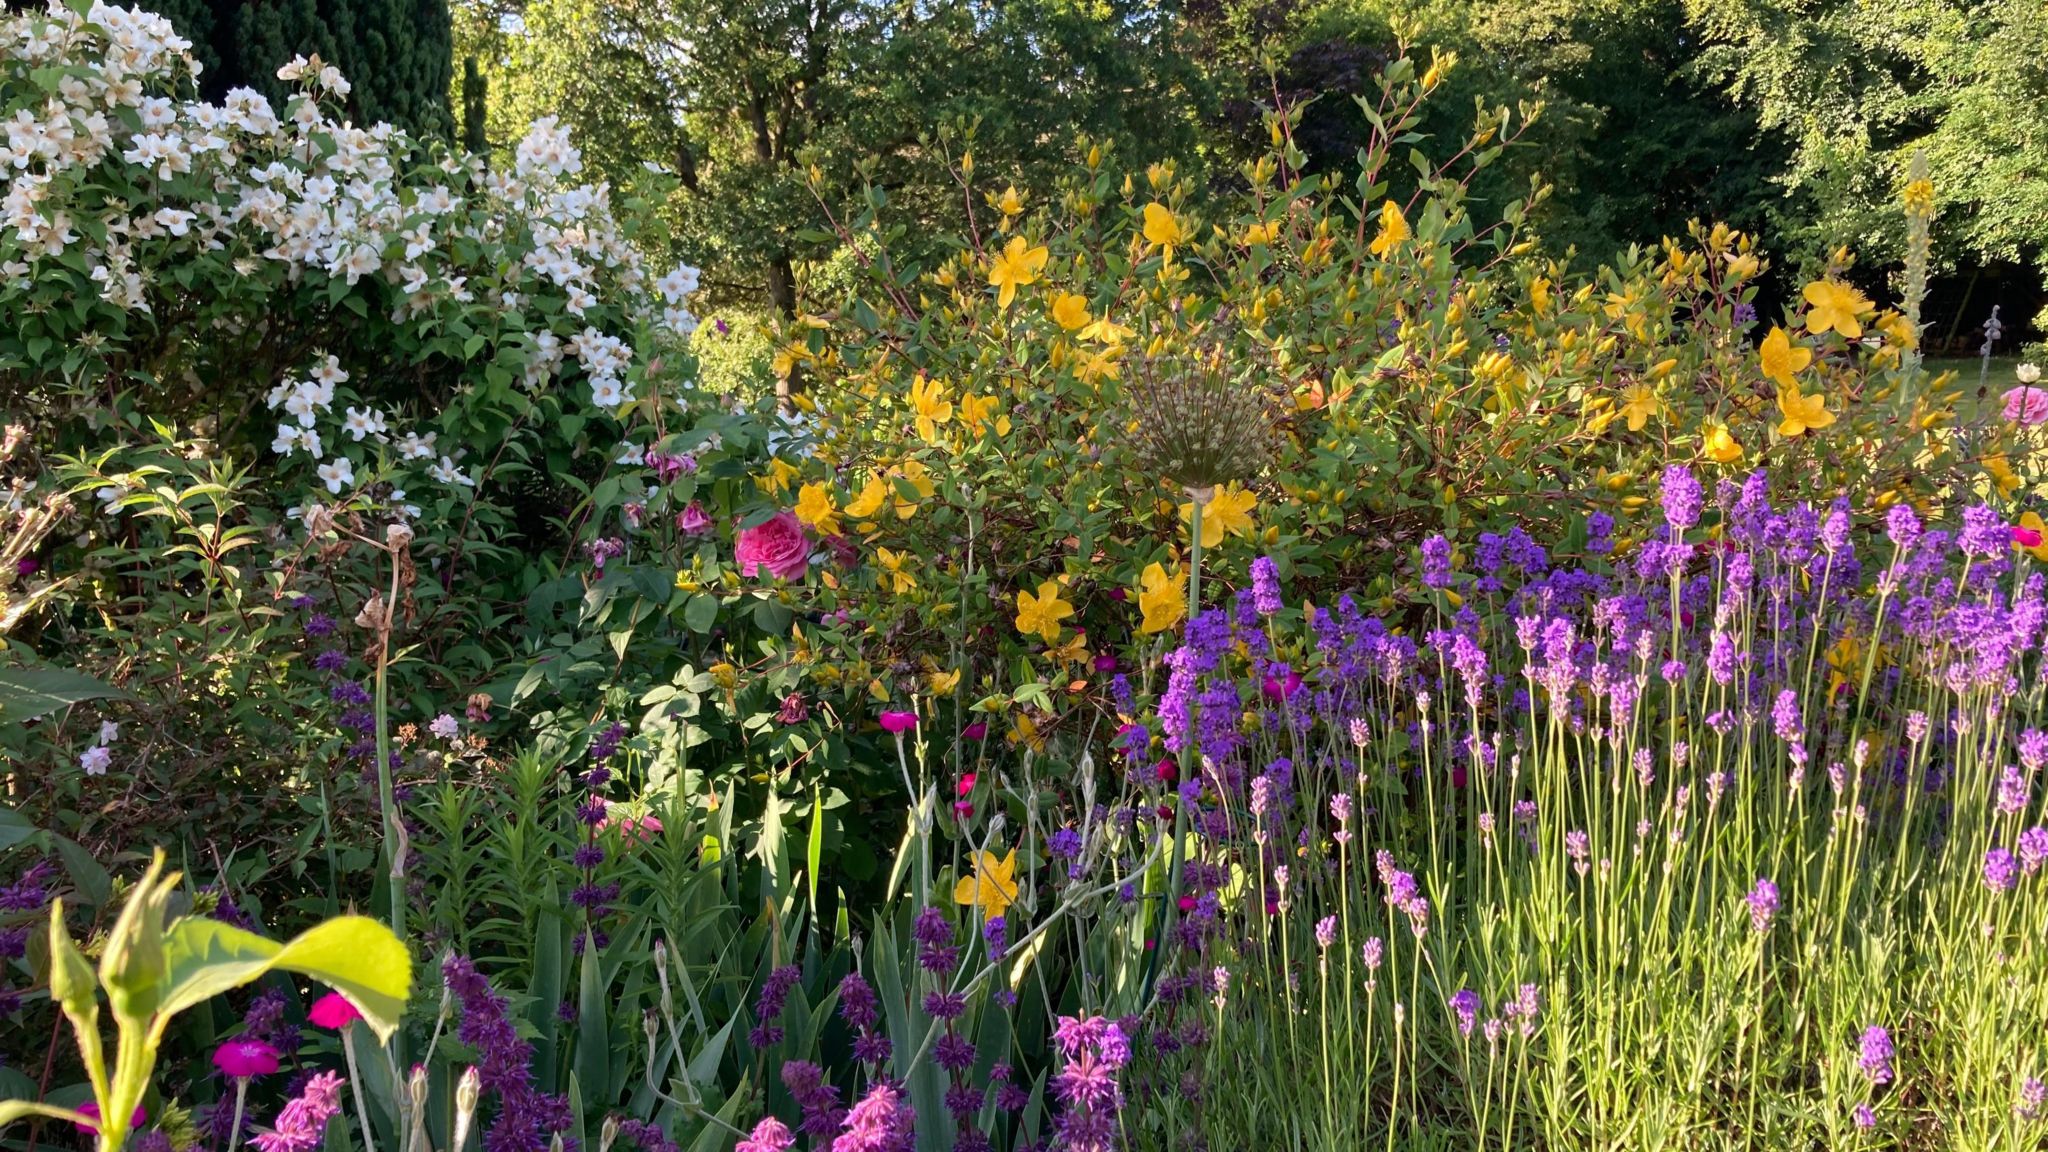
1732	837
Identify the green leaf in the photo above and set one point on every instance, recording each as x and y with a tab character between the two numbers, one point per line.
26	693
701	612
593	1038
14	828
12	1110
357	956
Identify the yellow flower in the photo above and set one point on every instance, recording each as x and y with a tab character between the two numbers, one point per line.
870	500
1162	597
725	675
1919	198
1074	651
898	580
1833	304
780	473
940	683
1010	203
1393	230
1259	235
975	411
815	507
1721	447
1106	331
919	478
1018	265
1802	413
1026	732
1162	229
1228	513
2002	474
1539	295
992	888
1070	310
2031	521
1783	359
1639	403
1040	615
928	400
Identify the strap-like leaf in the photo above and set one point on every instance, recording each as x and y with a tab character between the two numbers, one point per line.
26	693
12	1110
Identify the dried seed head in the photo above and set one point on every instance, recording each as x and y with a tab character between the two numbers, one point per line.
1198	419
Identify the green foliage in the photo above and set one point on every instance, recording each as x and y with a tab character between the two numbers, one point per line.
1859	89
855	90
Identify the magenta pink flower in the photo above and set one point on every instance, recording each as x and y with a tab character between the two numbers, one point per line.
899	722
693	521
2027	405
91	1108
333	1011
779	545
2025	537
770	1135
241	1059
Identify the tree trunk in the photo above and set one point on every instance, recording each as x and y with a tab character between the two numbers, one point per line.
782	298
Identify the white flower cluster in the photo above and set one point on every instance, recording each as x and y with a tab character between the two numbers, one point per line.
121	174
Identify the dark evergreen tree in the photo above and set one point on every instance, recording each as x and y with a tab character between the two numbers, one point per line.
397	54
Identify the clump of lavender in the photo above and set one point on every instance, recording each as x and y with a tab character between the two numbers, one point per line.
527	1117
861	1008
768	1007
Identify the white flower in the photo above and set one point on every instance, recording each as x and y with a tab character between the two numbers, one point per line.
511	24
445	726
680	282
417	447
337	474
607	393
445	472
632	455
110	731
2028	373
363	422
95	760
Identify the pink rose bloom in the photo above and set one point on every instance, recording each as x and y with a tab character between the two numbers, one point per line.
2027	406
692	521
780	545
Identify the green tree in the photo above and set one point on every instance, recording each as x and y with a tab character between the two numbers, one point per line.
1859	88
744	101
1631	142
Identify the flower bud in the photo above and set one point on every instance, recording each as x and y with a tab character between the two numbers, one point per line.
466	1091
608	1134
133	966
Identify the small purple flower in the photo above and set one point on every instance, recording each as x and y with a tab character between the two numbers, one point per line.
1465	1003
1763	905
2033	1094
1682	498
1864	1117
1266	586
1326	931
1436	561
2001	870
1874	1055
